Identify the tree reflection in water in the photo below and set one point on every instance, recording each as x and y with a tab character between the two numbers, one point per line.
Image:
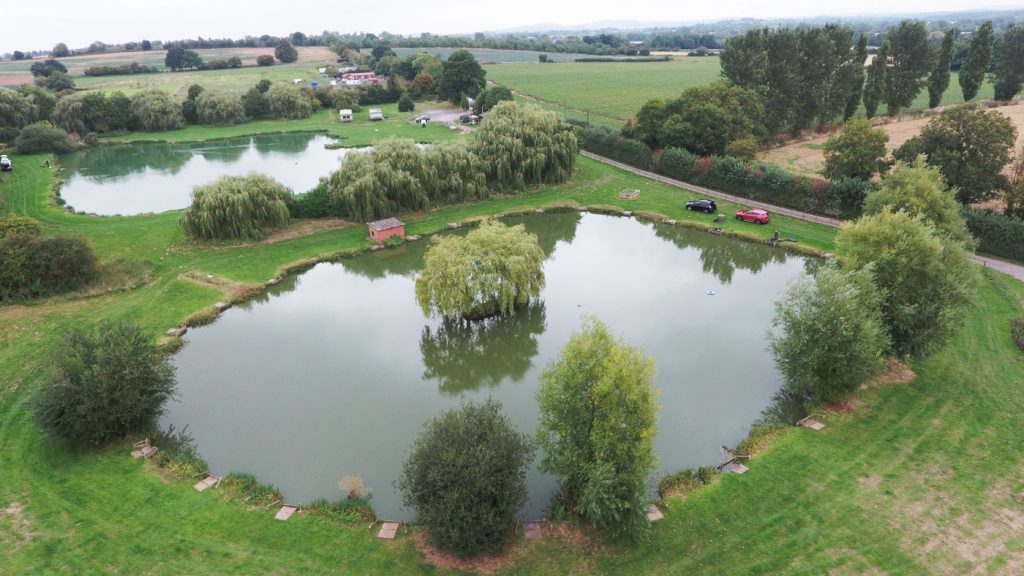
464	356
722	256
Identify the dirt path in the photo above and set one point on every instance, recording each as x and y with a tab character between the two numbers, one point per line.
806	156
1009	268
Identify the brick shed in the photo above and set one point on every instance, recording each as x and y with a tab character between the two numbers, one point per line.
381	230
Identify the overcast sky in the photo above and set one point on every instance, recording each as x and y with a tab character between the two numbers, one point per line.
39	24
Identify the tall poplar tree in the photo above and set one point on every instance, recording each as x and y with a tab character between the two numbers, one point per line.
910	58
939	79
977	61
874	89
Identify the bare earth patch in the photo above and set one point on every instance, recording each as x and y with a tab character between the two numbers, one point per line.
805	155
561	533
21	528
949	537
487	564
895	372
306	227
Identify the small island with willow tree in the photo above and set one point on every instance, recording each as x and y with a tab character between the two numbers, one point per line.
491	271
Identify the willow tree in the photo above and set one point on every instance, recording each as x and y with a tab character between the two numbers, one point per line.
519	146
16	110
286	101
219	108
153	110
491	271
399	175
236	207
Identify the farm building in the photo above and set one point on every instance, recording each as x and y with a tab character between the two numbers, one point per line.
346	115
381	230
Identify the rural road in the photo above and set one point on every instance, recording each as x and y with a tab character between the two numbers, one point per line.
1009	268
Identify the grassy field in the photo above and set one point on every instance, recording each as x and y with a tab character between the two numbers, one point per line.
360	132
924	477
614	91
487	55
611	91
237	79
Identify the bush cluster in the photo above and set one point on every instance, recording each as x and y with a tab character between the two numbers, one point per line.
466	478
130	68
997	234
34	267
841	198
1017	331
43	137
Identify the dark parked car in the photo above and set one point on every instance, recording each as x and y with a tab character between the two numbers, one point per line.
704	205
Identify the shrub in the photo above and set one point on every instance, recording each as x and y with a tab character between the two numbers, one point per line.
606	142
997	234
920	190
219	108
743	148
236	207
108	381
130	68
405	103
33	267
264	60
285	101
856	152
317	203
156	111
244	487
466	478
598	416
1017	331
831	335
686	480
491	271
523	145
13	224
43	137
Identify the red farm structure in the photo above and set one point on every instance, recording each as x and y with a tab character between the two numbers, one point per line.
381	230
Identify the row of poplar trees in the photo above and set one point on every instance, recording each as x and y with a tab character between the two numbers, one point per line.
809	77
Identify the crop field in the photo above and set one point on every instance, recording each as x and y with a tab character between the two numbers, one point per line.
614	91
487	55
611	91
310	58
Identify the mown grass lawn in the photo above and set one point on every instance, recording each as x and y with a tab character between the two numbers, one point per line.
921	477
360	132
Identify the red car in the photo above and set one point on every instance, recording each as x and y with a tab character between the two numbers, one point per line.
759	216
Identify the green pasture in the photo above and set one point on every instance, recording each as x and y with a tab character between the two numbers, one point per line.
360	132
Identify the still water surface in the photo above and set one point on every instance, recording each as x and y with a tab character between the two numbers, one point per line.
139	178
335	371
